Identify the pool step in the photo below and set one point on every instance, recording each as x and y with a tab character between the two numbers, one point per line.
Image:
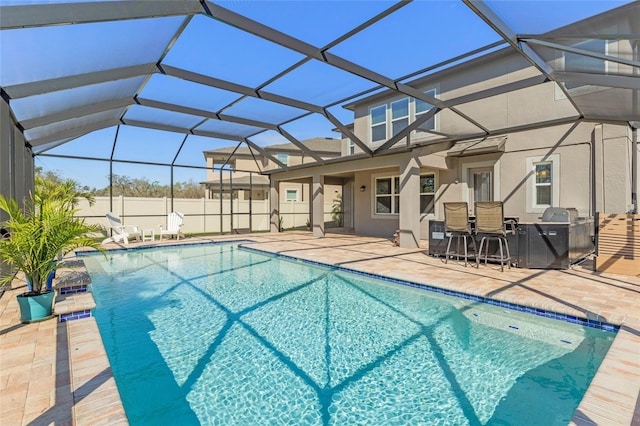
73	300
69	307
72	279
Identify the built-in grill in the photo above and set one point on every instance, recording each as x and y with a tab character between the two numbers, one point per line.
560	214
560	239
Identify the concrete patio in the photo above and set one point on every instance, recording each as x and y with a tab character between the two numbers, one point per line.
58	373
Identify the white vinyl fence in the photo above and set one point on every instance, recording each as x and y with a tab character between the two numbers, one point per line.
200	215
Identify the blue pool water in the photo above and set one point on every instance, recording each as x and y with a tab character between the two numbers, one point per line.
214	334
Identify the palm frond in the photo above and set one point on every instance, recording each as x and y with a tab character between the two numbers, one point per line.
47	228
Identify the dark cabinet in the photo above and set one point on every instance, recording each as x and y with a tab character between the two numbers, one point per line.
554	245
544	245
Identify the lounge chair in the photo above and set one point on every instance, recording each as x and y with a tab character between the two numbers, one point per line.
174	222
120	232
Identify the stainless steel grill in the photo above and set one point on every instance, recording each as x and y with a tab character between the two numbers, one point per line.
561	238
560	214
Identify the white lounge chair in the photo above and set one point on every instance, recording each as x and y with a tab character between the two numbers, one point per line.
174	222
121	232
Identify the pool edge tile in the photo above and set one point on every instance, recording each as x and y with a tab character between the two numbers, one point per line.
601	325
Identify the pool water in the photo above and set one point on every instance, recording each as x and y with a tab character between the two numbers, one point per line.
214	334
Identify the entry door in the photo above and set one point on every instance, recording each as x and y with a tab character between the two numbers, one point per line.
481	181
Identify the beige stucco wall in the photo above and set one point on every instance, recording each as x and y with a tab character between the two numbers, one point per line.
569	144
240	163
573	150
366	222
613	178
592	160
496	111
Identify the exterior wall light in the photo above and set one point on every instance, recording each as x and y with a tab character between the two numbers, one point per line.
362	188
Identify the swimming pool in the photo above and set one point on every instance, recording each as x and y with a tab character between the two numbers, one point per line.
214	334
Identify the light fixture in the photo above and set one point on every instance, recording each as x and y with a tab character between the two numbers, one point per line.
362	188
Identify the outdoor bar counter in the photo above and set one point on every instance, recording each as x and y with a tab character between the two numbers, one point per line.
536	245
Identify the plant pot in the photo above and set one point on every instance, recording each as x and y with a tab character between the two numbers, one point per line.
35	307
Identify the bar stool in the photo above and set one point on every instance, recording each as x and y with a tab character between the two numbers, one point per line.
456	224
490	225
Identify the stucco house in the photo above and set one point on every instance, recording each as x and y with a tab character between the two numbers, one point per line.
500	138
242	167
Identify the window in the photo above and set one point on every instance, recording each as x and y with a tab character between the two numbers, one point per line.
283	158
387	195
543	187
427	193
351	147
544	176
229	166
378	123
291	195
399	115
422	107
584	64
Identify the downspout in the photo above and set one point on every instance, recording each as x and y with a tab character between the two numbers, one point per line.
594	186
634	140
634	165
593	232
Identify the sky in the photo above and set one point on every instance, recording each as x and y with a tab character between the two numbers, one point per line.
416	36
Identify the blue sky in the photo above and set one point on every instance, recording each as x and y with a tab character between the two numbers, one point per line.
416	36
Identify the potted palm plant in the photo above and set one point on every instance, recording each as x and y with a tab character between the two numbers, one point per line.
43	230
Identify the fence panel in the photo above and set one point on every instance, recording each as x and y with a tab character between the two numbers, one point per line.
618	244
201	215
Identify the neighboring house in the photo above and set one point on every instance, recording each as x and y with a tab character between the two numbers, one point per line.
242	167
540	151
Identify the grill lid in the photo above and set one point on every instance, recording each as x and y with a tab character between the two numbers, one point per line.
560	214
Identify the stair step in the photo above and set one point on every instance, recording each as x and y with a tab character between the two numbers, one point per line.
71	280
73	301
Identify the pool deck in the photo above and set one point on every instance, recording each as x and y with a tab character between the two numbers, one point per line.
58	373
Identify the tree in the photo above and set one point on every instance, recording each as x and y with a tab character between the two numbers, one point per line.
122	186
50	185
188	189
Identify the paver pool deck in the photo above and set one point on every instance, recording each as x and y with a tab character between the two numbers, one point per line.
58	373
